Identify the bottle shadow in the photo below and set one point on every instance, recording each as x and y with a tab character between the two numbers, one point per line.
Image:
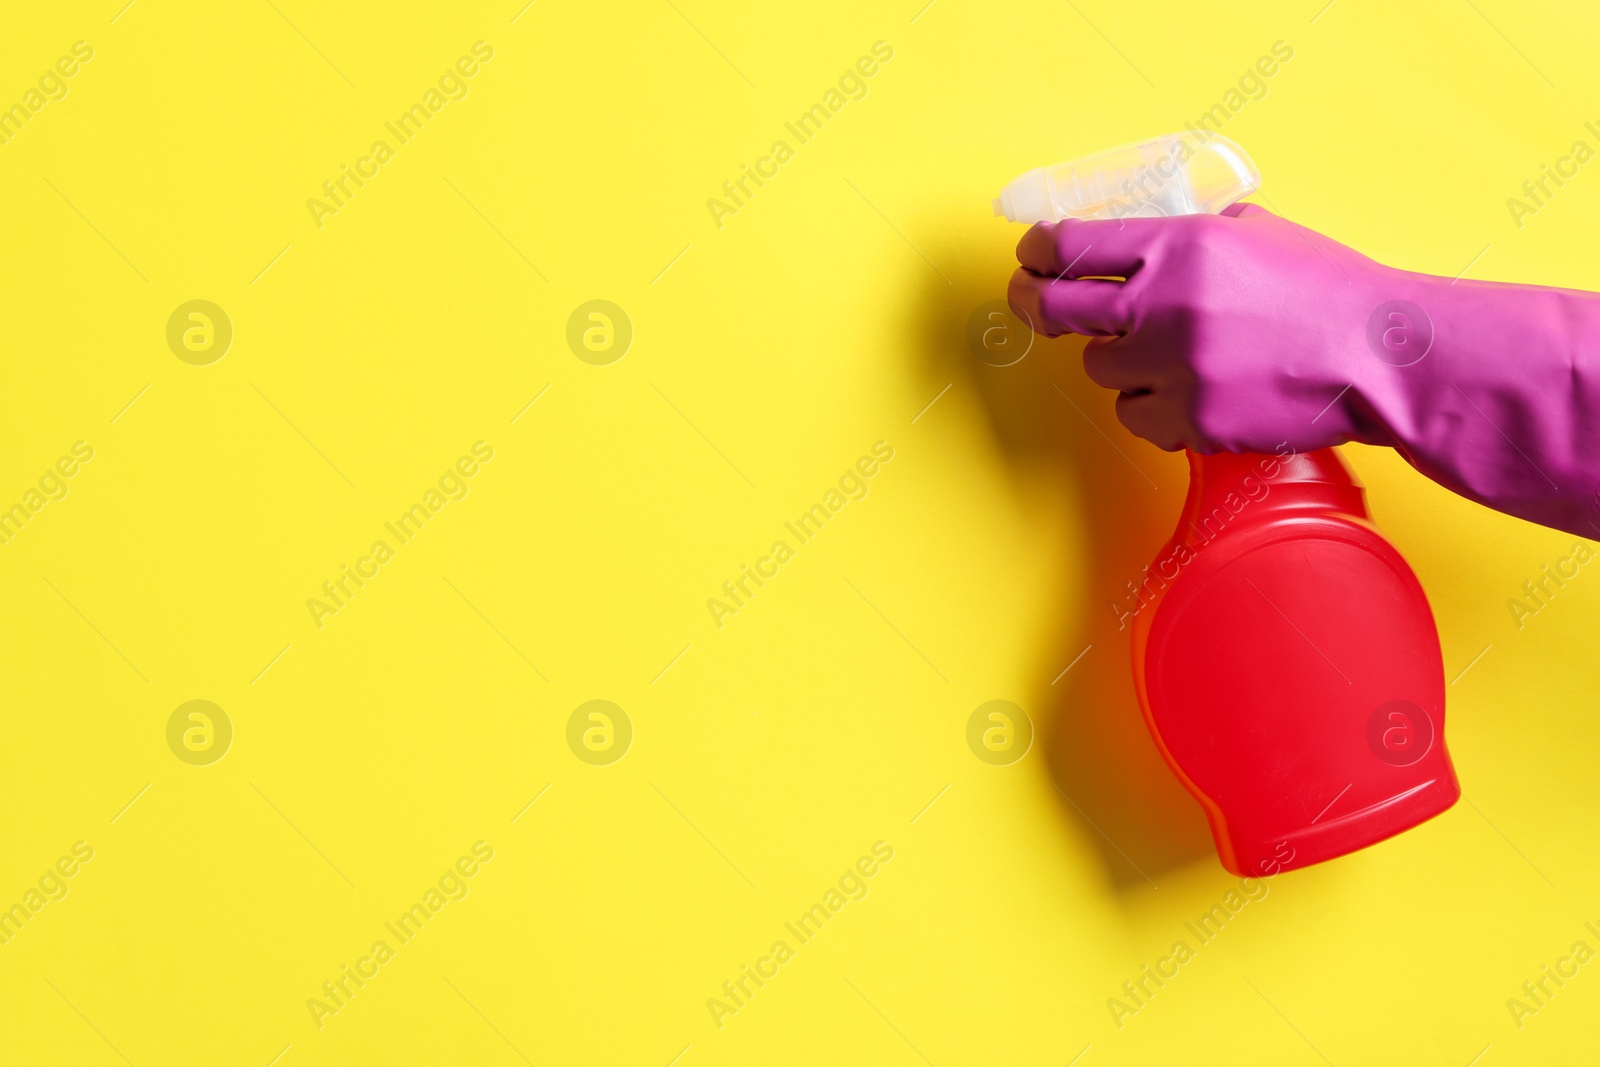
1051	426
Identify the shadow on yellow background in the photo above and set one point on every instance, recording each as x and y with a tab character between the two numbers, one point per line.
1115	790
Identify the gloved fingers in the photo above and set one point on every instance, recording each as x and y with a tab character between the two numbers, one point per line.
1156	417
1055	306
1085	248
1112	364
1242	210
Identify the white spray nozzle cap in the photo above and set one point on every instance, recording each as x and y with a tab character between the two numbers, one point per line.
1177	174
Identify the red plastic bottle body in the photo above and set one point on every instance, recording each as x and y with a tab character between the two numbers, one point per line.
1288	665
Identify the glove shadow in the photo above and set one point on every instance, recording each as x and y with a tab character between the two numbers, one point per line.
1056	436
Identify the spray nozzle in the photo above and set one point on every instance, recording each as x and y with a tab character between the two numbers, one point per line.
1176	174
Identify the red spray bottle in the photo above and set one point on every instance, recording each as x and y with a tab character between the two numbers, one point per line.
1284	654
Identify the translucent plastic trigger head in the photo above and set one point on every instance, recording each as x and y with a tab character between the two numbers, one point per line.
1176	174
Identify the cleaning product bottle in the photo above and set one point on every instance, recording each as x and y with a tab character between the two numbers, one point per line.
1284	654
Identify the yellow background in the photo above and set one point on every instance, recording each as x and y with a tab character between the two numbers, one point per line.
371	753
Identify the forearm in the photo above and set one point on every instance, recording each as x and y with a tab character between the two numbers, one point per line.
1503	406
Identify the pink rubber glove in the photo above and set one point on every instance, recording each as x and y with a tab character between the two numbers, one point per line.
1242	331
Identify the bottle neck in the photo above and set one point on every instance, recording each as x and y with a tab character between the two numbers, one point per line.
1252	486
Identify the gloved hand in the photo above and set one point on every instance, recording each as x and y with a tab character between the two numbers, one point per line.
1244	331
